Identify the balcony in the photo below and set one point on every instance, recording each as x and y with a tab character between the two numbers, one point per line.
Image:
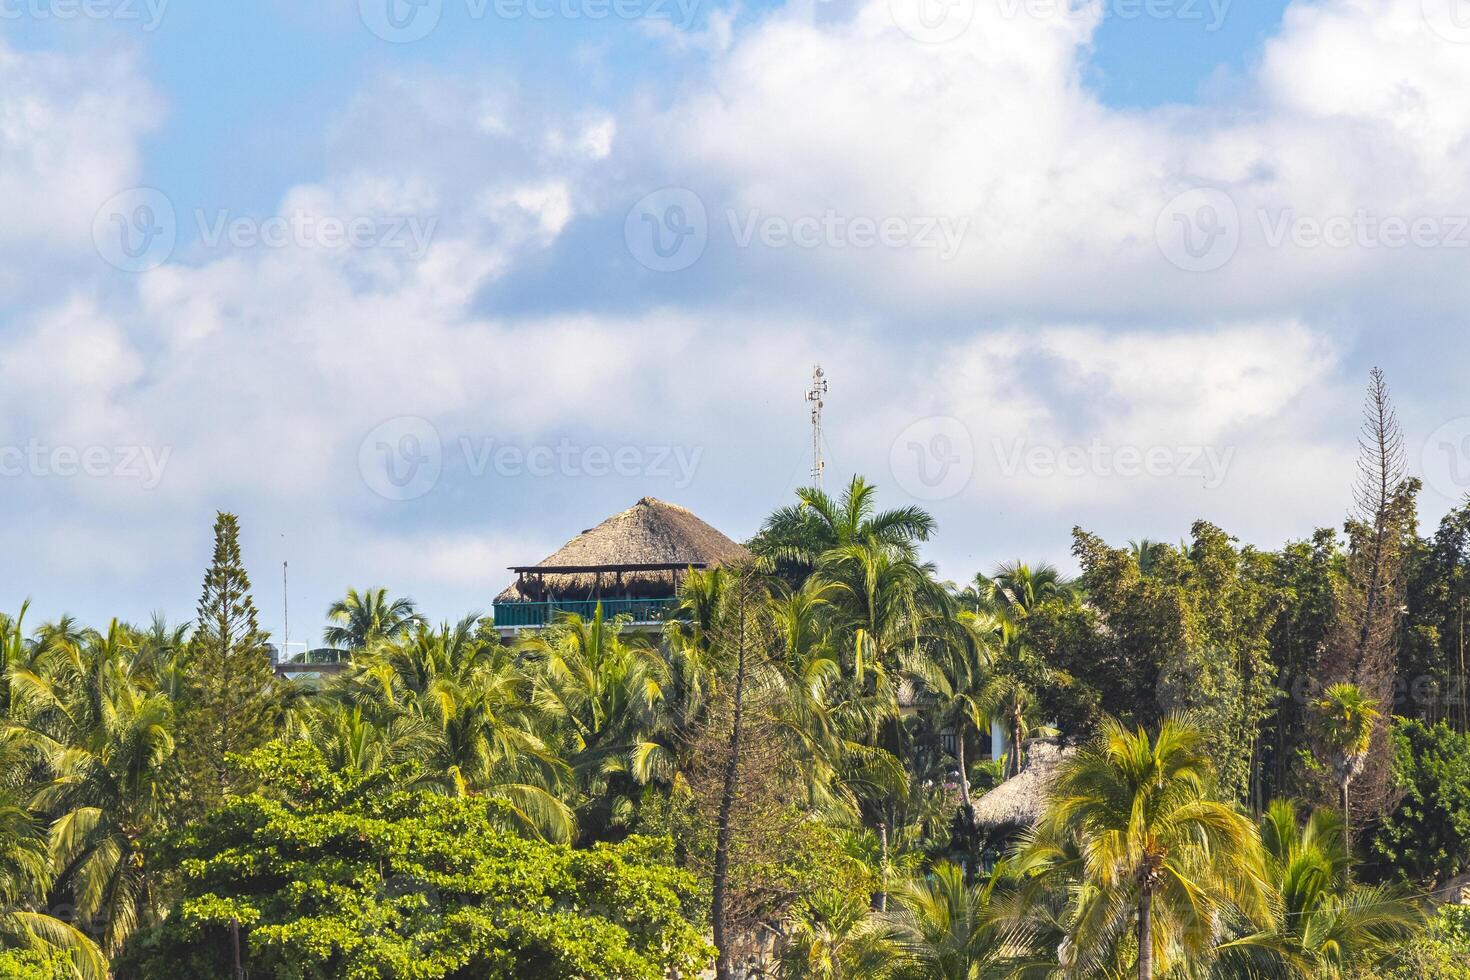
642	612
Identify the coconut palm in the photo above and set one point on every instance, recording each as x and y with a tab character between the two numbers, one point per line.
1020	588
946	928
607	692
454	700
1160	852
360	618
799	535
883	602
25	877
1348	717
15	652
956	676
1148	554
832	936
101	746
1322	923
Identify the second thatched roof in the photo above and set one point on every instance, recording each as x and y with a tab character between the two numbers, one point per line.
1020	800
651	532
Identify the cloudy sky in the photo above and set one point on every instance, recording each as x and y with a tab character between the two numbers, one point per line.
421	288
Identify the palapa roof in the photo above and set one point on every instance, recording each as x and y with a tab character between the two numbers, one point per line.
1020	800
650	533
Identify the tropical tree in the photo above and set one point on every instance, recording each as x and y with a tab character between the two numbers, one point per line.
1322	923
883	602
455	700
1348	717
945	927
25	877
606	694
957	678
1021	588
99	750
799	535
361	618
832	936
1160	853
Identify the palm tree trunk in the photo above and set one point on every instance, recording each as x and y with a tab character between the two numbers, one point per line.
1146	935
1347	821
959	752
1016	745
724	969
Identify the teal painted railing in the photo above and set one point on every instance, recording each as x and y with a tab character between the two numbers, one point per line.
544	613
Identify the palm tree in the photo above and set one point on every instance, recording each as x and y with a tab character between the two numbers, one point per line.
1348	718
1159	850
1322	924
25	877
946	928
1020	589
456	701
883	601
15	652
957	678
832	936
359	619
608	694
101	746
799	535
1148	555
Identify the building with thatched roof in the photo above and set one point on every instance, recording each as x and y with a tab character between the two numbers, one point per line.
1018	802
633	563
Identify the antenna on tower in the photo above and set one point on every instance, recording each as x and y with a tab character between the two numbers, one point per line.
815	396
285	612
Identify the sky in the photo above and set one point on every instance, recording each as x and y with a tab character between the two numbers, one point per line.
422	288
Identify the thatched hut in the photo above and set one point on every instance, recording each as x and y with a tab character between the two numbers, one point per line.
1017	803
632	563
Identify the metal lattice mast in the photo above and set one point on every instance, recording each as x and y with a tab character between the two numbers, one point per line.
815	396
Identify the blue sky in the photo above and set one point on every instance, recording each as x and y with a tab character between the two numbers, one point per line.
1118	265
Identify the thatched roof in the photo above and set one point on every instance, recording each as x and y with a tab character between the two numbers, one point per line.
1019	801
651	532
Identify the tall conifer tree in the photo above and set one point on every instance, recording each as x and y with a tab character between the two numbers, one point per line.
231	686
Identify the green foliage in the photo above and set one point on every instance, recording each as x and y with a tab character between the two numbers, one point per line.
1191	637
23	964
1442	952
339	875
1426	837
231	703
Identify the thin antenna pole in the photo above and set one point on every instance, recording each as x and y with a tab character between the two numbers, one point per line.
815	397
285	613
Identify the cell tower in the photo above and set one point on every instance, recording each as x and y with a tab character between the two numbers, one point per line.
815	396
